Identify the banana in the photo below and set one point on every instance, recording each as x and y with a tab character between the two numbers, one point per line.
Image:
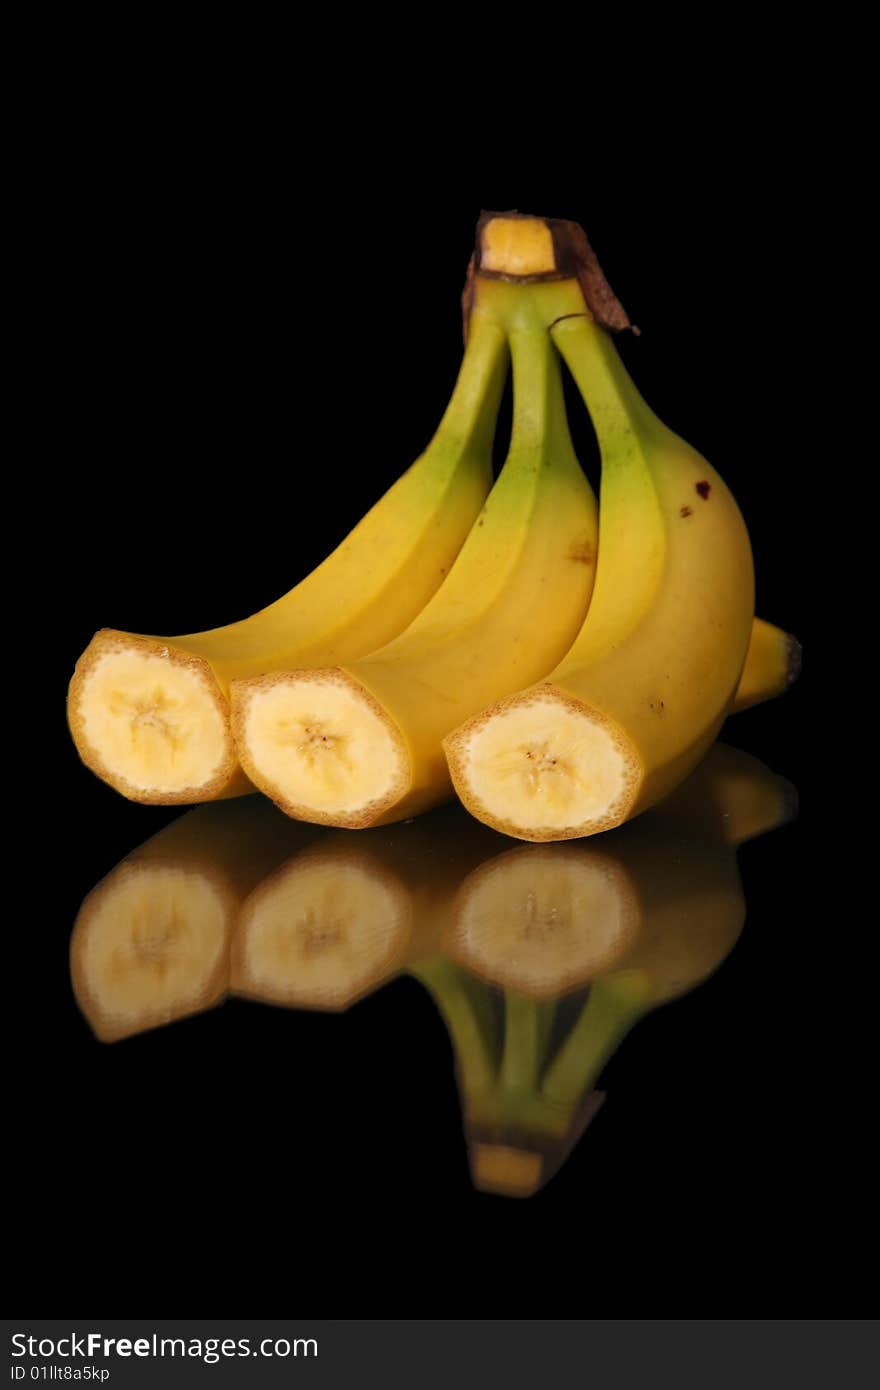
150	716
528	1059
773	663
360	745
547	919
151	941
646	685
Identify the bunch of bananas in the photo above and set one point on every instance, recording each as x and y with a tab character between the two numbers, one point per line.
560	666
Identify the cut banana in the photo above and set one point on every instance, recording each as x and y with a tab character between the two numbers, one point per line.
321	933
544	762
329	750
155	724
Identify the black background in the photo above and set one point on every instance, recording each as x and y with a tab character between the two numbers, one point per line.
246	346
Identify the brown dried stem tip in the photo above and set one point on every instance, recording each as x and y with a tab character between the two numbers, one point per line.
517	246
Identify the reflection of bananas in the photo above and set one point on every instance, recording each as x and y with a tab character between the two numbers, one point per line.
639	919
335	923
150	943
169	961
544	919
321	932
527	1067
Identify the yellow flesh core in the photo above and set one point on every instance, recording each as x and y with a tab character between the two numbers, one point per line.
155	722
546	756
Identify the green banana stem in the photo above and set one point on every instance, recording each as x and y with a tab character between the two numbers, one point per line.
616	407
466	1007
470	417
540	423
613	1006
527	1027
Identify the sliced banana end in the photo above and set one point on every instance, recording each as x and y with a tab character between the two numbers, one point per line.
150	720
320	746
544	919
321	932
150	946
543	765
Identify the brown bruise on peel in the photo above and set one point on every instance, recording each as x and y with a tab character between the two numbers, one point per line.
704	489
574	259
687	511
582	552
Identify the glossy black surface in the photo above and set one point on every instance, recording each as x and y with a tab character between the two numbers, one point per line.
259	1158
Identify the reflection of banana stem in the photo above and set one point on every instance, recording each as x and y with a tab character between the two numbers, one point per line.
526	1034
466	1007
613	1005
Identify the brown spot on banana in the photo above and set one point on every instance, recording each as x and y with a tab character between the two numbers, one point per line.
582	552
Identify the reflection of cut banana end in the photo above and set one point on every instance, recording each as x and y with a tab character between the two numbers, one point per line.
150	946
544	919
150	720
322	932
